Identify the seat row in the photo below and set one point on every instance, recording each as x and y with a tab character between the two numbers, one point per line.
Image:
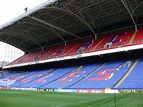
112	40
87	76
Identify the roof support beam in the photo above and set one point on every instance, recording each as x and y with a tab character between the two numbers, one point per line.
20	32
60	37
72	13
130	13
47	29
53	26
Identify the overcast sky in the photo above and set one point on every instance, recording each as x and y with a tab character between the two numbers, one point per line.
10	9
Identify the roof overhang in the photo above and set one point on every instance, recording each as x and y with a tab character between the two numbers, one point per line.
60	21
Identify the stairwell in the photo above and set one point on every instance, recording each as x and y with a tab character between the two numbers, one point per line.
98	43
126	75
87	76
132	38
71	49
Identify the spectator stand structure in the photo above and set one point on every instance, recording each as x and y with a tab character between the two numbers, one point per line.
61	30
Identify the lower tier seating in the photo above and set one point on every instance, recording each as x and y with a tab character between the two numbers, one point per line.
86	76
134	79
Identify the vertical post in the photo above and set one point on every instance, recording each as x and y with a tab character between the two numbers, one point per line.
95	36
65	43
19	81
115	98
136	28
5	55
7	84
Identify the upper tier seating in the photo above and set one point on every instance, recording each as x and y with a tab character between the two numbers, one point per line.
23	59
139	36
78	45
112	40
122	38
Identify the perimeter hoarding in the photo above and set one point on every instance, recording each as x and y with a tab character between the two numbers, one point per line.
89	91
65	90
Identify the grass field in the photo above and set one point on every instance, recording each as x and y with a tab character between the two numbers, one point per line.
15	98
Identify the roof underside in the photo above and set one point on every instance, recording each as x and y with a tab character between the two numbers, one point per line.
66	20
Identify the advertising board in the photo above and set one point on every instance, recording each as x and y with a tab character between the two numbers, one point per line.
89	91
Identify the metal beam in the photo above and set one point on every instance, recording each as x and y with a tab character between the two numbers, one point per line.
21	32
53	26
72	13
47	29
130	13
59	36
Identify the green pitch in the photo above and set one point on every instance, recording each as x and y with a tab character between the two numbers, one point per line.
15	98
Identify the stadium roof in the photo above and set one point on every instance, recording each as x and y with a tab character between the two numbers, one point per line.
60	21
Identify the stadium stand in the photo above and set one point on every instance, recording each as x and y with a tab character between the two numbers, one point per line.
68	28
89	77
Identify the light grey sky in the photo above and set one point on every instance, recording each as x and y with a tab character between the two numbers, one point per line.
10	9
